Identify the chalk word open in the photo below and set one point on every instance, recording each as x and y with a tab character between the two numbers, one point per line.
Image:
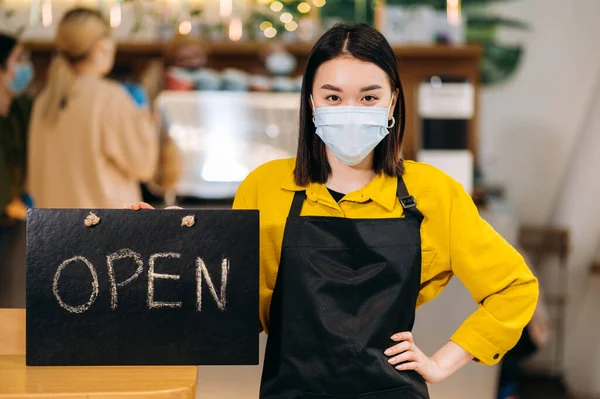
201	276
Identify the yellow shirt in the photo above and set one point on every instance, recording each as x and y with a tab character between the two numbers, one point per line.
454	240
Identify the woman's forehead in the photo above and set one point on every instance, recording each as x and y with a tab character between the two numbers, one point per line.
350	73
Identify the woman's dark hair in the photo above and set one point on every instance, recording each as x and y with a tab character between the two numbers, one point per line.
366	44
7	44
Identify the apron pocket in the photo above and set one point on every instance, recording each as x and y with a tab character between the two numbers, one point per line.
406	392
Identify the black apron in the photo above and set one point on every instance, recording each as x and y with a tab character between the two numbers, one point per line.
343	288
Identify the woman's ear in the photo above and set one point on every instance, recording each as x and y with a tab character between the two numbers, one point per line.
105	47
393	103
100	47
312	107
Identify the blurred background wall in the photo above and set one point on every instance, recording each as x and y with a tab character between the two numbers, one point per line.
540	138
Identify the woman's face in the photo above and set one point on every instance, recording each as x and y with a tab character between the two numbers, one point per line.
347	81
190	56
8	73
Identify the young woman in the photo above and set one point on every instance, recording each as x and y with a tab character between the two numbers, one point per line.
90	145
16	73
354	239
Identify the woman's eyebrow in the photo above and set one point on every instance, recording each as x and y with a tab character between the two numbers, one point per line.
372	87
331	87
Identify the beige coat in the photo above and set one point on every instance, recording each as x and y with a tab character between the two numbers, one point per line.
95	156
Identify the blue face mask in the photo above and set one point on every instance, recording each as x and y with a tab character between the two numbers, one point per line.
23	76
351	133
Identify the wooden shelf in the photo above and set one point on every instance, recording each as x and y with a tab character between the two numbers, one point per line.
412	51
417	63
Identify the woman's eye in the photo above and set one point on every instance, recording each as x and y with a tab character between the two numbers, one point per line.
369	98
333	98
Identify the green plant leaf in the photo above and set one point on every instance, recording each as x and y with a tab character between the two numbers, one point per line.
441	4
136	27
466	3
499	62
434	3
481	34
19	32
489	21
196	12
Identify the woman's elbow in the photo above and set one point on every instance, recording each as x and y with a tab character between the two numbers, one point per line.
147	169
529	294
149	157
535	292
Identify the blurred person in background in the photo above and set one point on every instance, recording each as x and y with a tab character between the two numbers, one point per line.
90	143
16	74
183	56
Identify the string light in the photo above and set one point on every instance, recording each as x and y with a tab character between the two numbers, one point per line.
115	15
277	6
286	17
319	3
304	7
270	32
265	25
291	26
185	27
453	12
47	13
236	29
225	8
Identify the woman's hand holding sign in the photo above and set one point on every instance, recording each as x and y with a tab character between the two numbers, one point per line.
139	205
144	205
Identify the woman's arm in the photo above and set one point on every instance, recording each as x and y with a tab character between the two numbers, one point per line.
130	137
499	281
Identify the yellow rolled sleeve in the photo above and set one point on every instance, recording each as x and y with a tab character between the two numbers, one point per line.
496	276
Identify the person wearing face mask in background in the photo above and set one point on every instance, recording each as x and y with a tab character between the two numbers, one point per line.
90	144
183	57
16	73
354	239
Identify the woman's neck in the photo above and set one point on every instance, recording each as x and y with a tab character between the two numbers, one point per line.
5	101
345	179
88	68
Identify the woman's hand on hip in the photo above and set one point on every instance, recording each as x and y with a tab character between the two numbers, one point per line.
406	355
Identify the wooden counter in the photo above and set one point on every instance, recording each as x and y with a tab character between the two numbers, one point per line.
20	381
417	63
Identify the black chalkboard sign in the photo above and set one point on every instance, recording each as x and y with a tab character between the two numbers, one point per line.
118	287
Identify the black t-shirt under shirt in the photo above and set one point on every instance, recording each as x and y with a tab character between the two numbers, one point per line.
336	196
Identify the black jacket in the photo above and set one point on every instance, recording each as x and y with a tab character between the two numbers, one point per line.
13	150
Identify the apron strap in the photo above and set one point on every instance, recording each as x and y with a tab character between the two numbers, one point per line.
408	202
297	203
